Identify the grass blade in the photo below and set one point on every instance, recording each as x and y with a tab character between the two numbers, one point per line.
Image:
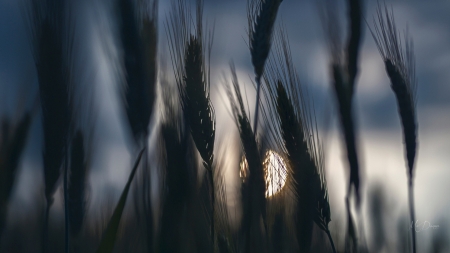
109	235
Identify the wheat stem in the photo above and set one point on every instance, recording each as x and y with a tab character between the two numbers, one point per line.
400	67
212	194
354	41
258	88
261	19
412	213
66	205
45	227
331	240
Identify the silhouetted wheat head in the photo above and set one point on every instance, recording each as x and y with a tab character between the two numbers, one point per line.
291	119
52	52
400	67
50	24
344	73
254	199
138	36
190	59
138	25
282	193
261	16
192	76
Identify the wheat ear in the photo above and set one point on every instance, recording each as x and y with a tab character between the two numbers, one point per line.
192	74
261	15
400	67
254	199
140	68
52	49
291	121
344	80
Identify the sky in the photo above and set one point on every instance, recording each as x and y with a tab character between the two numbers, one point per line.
378	125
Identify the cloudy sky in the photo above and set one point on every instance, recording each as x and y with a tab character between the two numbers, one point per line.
379	129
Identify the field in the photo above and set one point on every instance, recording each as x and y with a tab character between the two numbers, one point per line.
224	126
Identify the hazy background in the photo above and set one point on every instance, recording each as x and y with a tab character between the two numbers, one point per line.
379	130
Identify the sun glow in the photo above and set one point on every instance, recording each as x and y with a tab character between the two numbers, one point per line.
275	172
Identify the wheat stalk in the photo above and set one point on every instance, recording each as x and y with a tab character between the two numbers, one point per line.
400	67
52	49
141	96
254	188
140	68
261	15
222	217
344	77
292	124
192	74
196	103
12	144
149	37
179	162
80	159
354	40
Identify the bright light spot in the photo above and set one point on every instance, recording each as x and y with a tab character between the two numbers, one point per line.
244	172
275	172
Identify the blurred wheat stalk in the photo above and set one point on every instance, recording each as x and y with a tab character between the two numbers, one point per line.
401	69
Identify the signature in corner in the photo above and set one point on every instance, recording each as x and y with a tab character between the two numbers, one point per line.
421	226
